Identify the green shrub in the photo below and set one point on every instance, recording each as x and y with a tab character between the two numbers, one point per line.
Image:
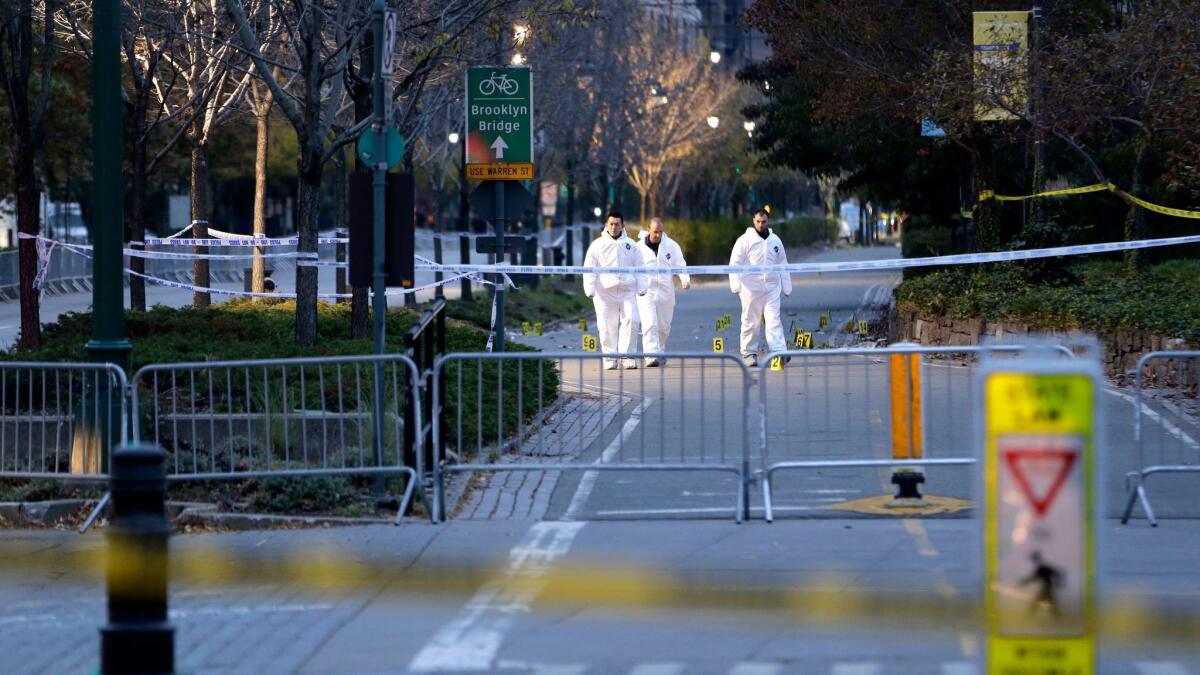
709	241
1094	295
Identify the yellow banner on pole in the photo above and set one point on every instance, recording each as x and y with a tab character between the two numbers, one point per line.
1001	72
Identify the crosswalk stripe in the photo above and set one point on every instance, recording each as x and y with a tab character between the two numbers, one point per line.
856	668
756	668
657	669
1160	668
960	668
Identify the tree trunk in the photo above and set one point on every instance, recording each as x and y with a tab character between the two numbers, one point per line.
308	201
263	145
987	212
199	198
1135	218
642	211
28	222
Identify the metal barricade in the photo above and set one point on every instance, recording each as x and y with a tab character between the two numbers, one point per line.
1172	381
548	411
280	417
54	416
831	410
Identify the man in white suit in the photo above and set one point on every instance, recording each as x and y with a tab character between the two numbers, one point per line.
657	306
613	294
760	291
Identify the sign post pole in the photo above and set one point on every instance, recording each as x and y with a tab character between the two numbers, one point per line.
1039	445
379	169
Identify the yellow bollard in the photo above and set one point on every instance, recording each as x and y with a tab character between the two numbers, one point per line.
908	437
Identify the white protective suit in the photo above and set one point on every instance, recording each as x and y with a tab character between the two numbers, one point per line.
657	306
760	291
611	292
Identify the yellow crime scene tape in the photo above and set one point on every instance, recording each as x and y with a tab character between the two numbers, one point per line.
823	599
985	195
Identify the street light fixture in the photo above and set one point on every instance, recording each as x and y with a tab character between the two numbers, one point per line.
748	125
453	137
596	212
518	59
714	121
520	34
715	57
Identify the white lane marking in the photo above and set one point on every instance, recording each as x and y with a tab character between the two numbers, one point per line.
856	668
960	668
756	668
471	640
543	668
1160	668
920	537
1166	424
657	669
588	482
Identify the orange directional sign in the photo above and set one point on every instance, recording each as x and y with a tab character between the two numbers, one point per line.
497	171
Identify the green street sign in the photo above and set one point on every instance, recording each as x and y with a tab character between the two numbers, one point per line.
394	145
499	115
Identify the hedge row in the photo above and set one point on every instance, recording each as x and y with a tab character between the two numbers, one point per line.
1092	295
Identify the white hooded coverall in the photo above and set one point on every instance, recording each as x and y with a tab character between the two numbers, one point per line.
657	306
760	291
610	292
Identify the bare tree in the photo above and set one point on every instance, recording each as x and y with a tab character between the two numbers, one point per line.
675	92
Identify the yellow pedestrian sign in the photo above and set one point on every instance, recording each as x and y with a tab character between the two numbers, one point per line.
1039	444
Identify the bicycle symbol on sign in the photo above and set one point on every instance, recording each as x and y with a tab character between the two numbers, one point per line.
498	82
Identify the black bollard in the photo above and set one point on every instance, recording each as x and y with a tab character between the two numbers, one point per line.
138	637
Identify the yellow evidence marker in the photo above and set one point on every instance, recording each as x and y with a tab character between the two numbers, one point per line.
823	322
804	339
718	345
777	363
537	328
525	328
864	328
589	343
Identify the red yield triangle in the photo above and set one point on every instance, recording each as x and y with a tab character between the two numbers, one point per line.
1060	460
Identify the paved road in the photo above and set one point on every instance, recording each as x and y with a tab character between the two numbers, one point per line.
48	621
531	522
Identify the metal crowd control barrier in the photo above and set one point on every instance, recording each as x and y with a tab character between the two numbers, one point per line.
841	403
1177	374
53	417
536	405
279	417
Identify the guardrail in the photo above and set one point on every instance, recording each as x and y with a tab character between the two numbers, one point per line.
53	418
868	408
279	417
528	404
1176	375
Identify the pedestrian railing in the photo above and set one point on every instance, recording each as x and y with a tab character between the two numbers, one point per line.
565	412
847	410
1171	382
54	419
280	417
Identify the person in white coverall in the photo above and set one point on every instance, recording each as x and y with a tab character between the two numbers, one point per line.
613	294
760	291
657	306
